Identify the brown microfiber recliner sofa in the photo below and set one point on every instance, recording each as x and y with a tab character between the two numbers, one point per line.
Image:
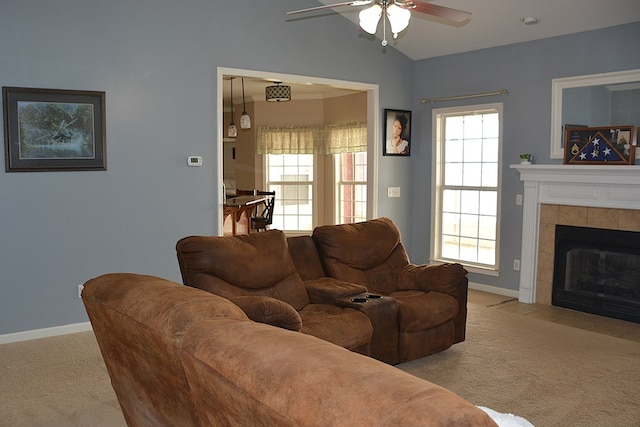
257	273
179	356
431	299
362	268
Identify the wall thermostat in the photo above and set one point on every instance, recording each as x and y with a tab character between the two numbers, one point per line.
194	161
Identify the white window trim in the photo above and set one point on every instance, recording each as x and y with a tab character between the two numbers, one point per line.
436	155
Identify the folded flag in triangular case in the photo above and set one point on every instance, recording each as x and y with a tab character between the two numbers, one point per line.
600	145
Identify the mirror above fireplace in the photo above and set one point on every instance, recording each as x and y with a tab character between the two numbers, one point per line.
606	99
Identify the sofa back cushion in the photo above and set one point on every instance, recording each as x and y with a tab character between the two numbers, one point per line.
368	253
254	264
139	323
305	257
256	375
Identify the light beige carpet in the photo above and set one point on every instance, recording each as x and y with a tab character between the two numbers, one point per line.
550	374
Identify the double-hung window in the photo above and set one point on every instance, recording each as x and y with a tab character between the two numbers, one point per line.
291	177
465	221
295	159
351	187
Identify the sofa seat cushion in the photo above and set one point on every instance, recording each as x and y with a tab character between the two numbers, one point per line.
345	327
420	310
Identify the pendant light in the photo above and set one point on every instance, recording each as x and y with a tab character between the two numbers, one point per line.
233	130
278	93
245	120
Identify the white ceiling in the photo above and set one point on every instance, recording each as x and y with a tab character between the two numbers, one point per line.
498	23
493	23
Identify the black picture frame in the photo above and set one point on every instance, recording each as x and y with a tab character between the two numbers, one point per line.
54	130
403	117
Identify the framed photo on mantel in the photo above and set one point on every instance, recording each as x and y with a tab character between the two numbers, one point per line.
611	145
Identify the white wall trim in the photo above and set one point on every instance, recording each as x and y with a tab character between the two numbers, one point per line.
45	332
494	290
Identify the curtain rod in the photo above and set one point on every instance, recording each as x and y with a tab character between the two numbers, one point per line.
473	95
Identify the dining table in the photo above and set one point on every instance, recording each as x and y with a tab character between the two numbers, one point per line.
237	214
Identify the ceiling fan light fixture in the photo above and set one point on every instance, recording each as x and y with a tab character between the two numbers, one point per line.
278	93
398	18
370	17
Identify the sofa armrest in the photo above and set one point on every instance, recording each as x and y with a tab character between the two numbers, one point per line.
444	278
270	311
328	290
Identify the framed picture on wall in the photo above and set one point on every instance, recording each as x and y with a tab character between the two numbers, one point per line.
53	130
397	133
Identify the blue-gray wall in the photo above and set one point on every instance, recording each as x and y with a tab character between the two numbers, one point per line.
526	70
157	62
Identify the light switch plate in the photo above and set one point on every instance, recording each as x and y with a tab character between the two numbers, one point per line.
393	192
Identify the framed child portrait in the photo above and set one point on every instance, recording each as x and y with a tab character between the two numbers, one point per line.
397	131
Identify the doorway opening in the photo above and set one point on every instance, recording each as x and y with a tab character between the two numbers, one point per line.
303	88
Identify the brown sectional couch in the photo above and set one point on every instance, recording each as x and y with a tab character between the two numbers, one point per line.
331	279
179	356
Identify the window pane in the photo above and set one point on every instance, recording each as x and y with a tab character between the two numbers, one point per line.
472	126
453	151
453	174
450	247
454	128
491	126
469	225
487	229
451	201
489	175
472	174
488	203
451	224
469	202
472	150
490	150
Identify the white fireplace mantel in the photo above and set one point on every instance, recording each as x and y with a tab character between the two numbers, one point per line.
577	185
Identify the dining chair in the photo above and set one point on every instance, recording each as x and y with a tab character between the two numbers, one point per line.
264	218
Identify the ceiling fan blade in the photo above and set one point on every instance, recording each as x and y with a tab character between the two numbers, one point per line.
454	15
344	3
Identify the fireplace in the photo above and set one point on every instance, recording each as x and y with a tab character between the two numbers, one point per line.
597	271
595	196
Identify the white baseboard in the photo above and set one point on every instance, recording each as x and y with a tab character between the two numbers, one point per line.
45	332
494	290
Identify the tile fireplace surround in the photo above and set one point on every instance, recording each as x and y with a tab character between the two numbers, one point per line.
582	195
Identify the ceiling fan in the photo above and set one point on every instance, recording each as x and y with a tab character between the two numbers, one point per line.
398	12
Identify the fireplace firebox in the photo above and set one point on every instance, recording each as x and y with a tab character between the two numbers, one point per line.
597	271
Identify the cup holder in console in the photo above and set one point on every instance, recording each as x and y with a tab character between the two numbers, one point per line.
358	299
373	296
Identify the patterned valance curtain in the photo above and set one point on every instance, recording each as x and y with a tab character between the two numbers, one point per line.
319	139
347	137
